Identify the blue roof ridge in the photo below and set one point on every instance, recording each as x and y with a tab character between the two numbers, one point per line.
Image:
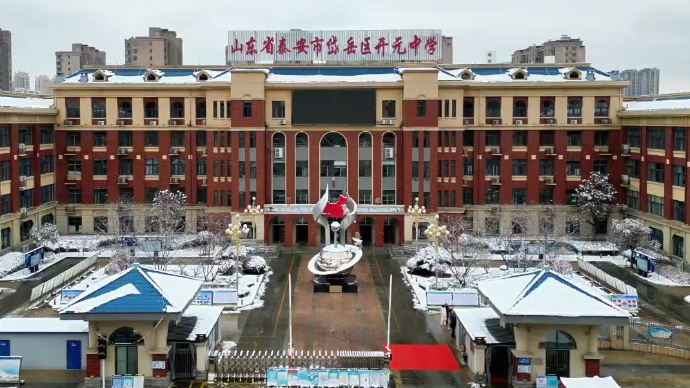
100	284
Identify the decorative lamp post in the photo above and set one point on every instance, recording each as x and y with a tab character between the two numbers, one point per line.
235	233
416	211
436	233
254	210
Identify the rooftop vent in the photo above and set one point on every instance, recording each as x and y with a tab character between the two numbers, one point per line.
590	75
83	78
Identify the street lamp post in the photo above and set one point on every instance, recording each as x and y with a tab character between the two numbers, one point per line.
416	211
254	210
236	232
436	233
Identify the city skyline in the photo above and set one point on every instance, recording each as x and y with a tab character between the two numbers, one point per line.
640	36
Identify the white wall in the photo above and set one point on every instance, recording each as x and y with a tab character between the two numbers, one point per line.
44	351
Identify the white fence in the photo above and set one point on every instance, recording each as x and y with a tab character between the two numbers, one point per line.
63	278
605	278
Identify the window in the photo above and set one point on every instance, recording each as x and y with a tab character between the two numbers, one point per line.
5	203
333	168
656	172
415	170
657	139
633	168
126	360
246	109
252	169
150	139
546	196
125	139
5	171
302	168
26	167
558	344
575	108
656	205
202	195
73	139
243	169
74	195
126	194
74	224
493	138
427	139
572	227
601	138
388	197
679	139
100	139
47	135
493	109
493	167
546	167
519	167
365	197
279	196
389	171
126	167
365	168
547	109
278	169
574	138
100	224
124	110
302	140
4	137
679	211
201	138
151	110
47	164
454	108
5	235
25	135
47	193
601	108
222	109
178	167
492	196
73	110
421	108
468	108
679	176
520	109
601	166
177	110
152	167
468	167
547	138
519	196
201	167
177	139
98	110
678	246
201	110
520	138
468	196
634	138
365	140
100	196
388	109
572	167
415	139
633	199
278	109
492	225
657	235
302	196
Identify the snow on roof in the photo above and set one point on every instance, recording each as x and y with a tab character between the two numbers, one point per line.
42	325
547	293
25	102
195	320
136	76
89	304
657	104
589	382
536	74
484	322
333	75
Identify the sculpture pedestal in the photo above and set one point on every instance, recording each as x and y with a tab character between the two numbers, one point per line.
338	283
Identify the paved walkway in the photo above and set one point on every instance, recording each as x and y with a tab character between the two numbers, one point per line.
637	369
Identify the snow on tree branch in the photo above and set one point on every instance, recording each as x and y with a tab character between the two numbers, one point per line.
595	198
46	235
631	234
163	217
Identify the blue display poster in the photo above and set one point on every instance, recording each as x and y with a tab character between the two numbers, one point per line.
385	378
117	382
323	378
343	378
271	378
127	382
225	297
66	296
313	378
354	378
282	378
204	297
364	378
551	381
333	378
375	378
303	377
293	380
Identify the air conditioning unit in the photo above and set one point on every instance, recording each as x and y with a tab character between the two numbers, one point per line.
606	121
122	151
21	150
122	180
283	122
465	182
278	153
495	181
518	122
174	151
68	122
203	121
153	122
70	209
385	122
625	180
204	151
626	149
204	182
548	180
22	212
101	122
465	152
467	121
550	151
121	122
389	153
172	122
573	122
551	121
22	181
495	151
495	122
174	181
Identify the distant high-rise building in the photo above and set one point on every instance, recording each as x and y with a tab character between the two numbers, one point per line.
162	47
643	82
563	50
67	62
5	60
22	81
41	84
447	50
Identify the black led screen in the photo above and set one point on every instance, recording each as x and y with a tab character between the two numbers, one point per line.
334	107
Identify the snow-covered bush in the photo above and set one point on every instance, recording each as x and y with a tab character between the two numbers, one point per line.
631	234
254	265
11	262
46	235
119	261
427	262
226	267
559	265
231	252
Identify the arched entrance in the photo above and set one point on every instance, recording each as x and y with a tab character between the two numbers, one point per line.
126	341
390	231
277	231
301	232
366	231
558	345
48	219
25	230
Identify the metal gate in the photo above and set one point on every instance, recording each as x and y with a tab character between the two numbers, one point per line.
183	361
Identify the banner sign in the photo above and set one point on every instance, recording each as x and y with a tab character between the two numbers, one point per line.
225	297
10	367
465	298
439	298
306	378
66	295
328	46
34	257
626	302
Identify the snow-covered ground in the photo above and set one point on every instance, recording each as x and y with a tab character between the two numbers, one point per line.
12	258
99	242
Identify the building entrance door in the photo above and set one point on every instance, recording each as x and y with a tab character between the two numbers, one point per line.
73	355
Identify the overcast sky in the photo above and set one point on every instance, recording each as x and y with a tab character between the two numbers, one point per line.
617	34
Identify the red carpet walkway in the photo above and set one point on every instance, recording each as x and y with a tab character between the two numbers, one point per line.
423	357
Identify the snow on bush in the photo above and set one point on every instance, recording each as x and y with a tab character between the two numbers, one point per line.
254	265
11	262
632	234
230	252
226	267
673	273
46	235
428	262
595	198
119	261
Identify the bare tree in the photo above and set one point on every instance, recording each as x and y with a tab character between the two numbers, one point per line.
212	237
466	251
595	199
163	218
632	234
